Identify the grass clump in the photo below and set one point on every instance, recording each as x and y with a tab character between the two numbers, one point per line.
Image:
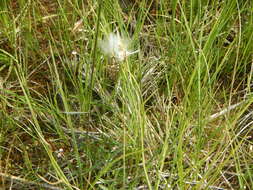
175	114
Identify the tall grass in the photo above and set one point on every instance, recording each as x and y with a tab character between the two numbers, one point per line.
176	115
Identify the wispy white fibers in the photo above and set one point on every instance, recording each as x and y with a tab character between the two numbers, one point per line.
115	46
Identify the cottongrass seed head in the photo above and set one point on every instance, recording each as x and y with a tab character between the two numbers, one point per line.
115	46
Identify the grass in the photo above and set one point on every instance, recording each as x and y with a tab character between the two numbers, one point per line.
176	115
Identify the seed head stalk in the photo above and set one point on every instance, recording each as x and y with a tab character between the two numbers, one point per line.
94	56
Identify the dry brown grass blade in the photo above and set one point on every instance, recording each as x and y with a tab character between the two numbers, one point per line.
226	110
24	181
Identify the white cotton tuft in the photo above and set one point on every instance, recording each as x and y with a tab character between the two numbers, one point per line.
116	47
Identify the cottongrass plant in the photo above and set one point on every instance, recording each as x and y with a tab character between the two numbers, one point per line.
115	48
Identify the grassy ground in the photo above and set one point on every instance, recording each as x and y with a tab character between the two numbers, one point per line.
176	115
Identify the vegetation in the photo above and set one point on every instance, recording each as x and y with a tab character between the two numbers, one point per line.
177	114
